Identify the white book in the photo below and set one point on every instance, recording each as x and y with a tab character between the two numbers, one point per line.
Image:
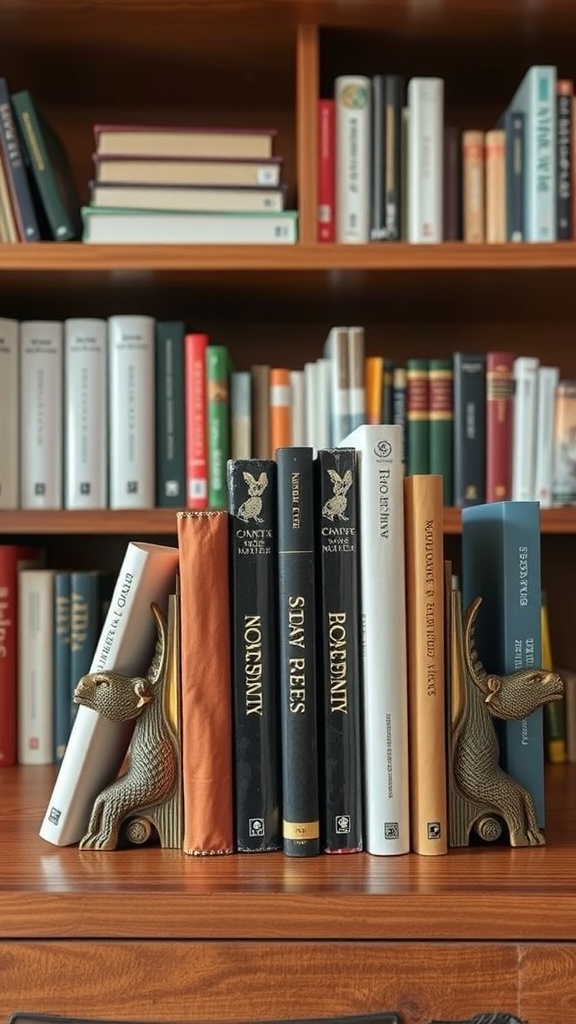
336	352
298	408
352	165
85	413
35	687
152	227
524	428
97	746
9	414
322	403
356	376
311	384
241	414
131	411
425	159
548	377
383	632
535	97
41	419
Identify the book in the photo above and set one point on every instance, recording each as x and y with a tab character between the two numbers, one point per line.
260	376
535	97
564	451
383	632
425	159
41	415
441	424
499	424
280	408
356	366
174	227
217	370
524	427
35	681
352	104
13	557
469	428
547	384
190	198
85	420
195	411
240	414
336	351
501	564
495	179
183	141
564	105
423	505
8	225
386	154
473	144
297	652
452	185
554	716
170	484
97	746
131	409
514	124
417	416
90	595
373	376
253	553
569	678
49	166
339	684
399	405
229	173
62	639
15	171
206	701
298	419
9	413
326	216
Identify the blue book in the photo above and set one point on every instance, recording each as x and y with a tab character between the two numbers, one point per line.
535	97
501	564
62	697
513	123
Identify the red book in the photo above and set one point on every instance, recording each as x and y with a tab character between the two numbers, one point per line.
12	558
196	445
326	171
499	418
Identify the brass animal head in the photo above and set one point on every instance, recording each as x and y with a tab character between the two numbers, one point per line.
118	698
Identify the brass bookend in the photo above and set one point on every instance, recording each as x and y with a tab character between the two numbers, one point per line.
482	796
148	796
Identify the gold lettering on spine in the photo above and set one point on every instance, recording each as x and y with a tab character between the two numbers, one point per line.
297	665
253	664
338	651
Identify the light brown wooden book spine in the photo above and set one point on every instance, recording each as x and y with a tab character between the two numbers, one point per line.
260	410
473	186
496	186
425	570
206	701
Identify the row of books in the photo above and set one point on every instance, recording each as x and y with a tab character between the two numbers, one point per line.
162	184
391	168
319	741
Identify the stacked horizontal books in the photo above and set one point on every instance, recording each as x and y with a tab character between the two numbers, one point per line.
157	185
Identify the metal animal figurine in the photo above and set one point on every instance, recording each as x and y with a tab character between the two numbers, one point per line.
482	795
149	792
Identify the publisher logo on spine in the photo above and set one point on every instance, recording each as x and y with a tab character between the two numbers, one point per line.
434	830
383	450
255	828
343	824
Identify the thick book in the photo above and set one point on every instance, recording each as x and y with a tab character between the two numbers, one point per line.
183	141
383	619
9	414
13	557
170	430
423	504
131	411
85	422
326	215
173	227
425	159
15	171
97	746
441	424
206	682
35	686
253	556
352	103
62	637
41	414
339	684
386	156
469	428
501	564
535	97
196	437
297	641
230	173
217	422
499	424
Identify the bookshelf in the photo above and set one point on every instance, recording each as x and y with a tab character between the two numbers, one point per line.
152	934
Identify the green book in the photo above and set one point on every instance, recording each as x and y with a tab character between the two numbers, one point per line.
170	430
217	423
441	429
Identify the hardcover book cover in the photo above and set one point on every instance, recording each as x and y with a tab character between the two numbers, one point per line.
499	424
386	152
10	413
131	411
417	416
469	428
535	97
41	414
62	647
352	96
441	426
170	430
217	422
15	170
326	225
253	536
195	414
35	687
85	422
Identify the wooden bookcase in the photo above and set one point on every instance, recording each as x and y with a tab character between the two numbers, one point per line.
152	934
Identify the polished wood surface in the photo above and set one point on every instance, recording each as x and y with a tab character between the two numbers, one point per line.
491	893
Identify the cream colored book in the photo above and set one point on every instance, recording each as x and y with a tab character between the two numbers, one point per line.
41	414
233	173
473	209
131	411
495	175
85	423
195	200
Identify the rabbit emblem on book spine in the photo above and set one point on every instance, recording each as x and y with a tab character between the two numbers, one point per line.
252	507
336	507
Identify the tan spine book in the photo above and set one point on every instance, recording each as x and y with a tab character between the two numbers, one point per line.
260	373
206	702
473	186
424	544
496	185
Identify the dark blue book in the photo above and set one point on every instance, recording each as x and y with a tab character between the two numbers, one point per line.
170	432
62	635
501	564
469	397
90	591
514	124
15	170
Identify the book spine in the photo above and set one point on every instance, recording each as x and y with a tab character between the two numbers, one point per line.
253	533
469	429
337	543
515	128
356	367
441	429
499	422
417	416
207	771
9	414
86	619
452	180
554	717
35	710
97	746
399	406
473	185
563	478
260	375
564	105
297	652
352	102
131	411
41	422
336	351
536	99
12	558
524	428
326	225
280	409
383	618
386	151
85	419
17	178
425	157
388	391
298	408
548	377
373	375
217	423
170	431
62	644
501	564
240	414
496	186
195	346
423	500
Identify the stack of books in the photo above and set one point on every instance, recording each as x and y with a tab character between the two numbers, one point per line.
157	184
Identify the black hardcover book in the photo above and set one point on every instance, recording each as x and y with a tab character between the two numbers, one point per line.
386	190
452	185
339	650
253	532
469	429
297	648
564	100
513	122
388	391
170	415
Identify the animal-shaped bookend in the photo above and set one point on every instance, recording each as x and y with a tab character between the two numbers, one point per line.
148	796
482	796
